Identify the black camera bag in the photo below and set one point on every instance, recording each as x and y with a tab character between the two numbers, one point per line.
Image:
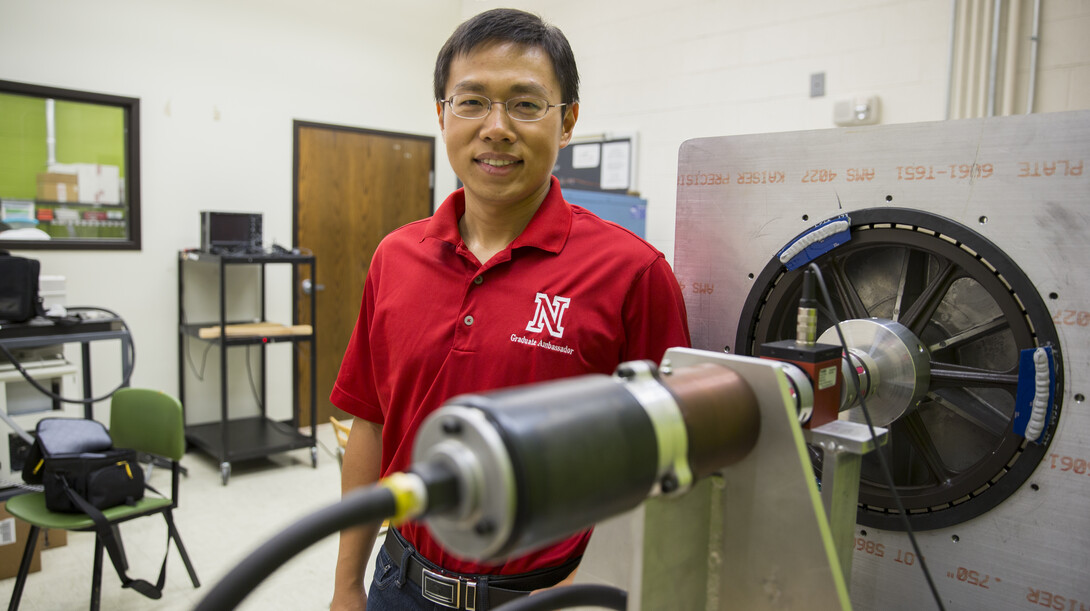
19	299
81	472
76	455
103	479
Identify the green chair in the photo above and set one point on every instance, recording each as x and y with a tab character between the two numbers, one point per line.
148	421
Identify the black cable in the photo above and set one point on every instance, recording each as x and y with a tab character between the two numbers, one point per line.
126	375
250	377
582	595
189	353
881	456
444	488
367	505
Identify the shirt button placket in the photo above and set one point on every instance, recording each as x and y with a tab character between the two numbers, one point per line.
468	320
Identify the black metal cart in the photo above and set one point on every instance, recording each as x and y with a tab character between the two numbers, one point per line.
242	438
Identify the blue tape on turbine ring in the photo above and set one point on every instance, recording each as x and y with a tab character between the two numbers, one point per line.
1033	402
819	240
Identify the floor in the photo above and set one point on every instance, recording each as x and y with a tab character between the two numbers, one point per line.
220	525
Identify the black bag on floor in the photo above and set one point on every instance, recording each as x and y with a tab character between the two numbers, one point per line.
81	472
19	299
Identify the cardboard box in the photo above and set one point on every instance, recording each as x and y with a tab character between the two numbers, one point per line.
55	187
13	536
98	184
53	538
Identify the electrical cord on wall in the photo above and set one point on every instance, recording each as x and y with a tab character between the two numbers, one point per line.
199	374
253	384
282	426
257	395
886	472
126	375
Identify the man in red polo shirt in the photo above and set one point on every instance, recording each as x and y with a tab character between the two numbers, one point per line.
506	284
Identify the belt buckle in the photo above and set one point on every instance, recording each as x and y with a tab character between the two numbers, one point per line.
441	589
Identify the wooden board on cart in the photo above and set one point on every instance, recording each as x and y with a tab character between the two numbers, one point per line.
255	329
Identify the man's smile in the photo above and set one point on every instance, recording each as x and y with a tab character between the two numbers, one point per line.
498	163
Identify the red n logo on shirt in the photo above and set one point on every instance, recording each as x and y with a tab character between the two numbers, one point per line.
549	315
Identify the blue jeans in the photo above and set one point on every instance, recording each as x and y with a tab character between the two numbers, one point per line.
384	595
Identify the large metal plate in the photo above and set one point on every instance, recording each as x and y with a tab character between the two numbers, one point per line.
1018	182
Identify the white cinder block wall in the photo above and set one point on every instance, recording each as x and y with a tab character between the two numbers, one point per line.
671	71
221	81
675	71
1064	64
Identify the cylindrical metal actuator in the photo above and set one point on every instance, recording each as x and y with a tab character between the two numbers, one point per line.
539	462
578	450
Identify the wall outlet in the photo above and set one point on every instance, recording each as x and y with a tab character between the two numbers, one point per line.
865	110
817	85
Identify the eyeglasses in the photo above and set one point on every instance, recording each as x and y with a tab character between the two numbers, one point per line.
470	106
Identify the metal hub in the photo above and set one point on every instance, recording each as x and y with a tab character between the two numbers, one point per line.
954	456
895	365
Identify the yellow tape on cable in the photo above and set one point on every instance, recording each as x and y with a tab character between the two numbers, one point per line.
410	496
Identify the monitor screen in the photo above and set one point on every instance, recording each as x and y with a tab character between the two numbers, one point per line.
229	228
231	231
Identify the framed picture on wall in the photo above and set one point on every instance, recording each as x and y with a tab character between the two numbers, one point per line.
69	169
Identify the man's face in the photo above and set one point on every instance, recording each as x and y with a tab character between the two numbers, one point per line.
501	161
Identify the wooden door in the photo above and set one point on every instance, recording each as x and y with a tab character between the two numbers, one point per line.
352	187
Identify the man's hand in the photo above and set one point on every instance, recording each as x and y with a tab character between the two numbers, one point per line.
349	601
360	467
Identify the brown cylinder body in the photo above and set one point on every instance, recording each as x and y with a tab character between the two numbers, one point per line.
722	418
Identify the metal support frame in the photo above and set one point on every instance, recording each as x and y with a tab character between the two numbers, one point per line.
756	535
843	445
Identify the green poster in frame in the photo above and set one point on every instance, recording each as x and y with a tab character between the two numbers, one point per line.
69	169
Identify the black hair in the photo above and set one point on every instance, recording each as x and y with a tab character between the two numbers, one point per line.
510	25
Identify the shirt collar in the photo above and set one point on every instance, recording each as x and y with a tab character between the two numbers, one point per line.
548	229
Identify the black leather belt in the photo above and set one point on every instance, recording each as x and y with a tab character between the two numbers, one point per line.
469	592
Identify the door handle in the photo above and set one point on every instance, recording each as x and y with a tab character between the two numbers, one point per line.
309	287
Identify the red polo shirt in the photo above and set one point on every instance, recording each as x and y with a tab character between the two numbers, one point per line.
572	295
